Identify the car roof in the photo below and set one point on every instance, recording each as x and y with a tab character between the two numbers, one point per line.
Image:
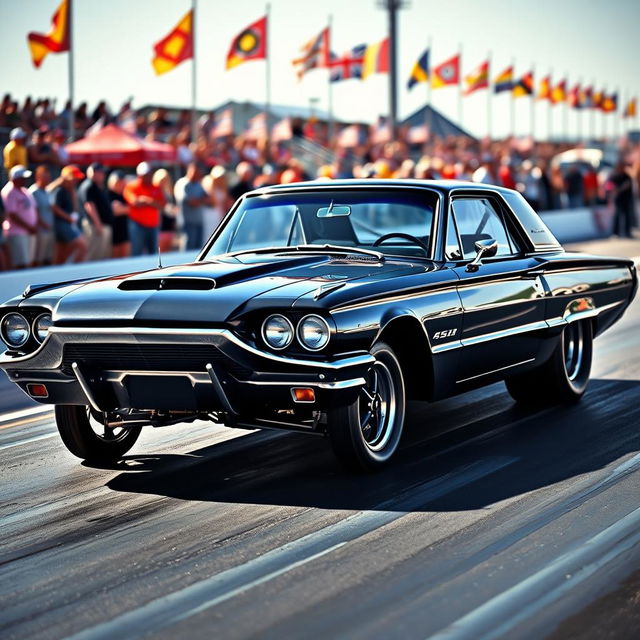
444	186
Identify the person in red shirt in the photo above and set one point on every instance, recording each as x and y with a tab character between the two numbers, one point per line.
145	201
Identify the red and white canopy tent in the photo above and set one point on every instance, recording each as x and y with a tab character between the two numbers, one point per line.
114	147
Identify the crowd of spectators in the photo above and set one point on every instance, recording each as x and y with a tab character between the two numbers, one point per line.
54	212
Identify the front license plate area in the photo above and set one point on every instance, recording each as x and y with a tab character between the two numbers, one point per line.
160	392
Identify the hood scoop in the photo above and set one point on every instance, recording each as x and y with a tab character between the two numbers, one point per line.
175	283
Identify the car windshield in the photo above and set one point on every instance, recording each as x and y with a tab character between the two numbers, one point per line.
341	218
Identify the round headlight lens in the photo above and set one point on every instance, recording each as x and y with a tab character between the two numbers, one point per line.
313	333
277	331
41	326
15	329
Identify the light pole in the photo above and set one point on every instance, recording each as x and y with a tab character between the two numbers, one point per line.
392	6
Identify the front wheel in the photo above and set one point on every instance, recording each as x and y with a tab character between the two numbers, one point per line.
87	438
366	433
563	378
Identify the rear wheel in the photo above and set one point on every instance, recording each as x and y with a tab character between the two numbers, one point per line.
366	433
88	438
564	377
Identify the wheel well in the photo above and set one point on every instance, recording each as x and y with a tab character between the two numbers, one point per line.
409	342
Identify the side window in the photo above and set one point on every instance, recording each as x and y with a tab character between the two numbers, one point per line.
477	219
452	248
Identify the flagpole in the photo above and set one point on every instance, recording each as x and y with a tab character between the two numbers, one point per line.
512	106
267	102
489	123
578	109
460	87
565	112
592	115
330	85
193	72
428	113
532	98
550	108
70	71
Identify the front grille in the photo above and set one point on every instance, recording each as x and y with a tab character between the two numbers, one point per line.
149	357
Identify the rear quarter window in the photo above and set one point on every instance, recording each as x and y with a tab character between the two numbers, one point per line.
536	230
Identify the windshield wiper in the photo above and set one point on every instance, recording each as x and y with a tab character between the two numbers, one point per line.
311	248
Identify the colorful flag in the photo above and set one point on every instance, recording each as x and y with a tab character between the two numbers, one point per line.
56	41
249	44
282	130
223	126
573	97
631	110
523	86
477	79
609	103
503	81
544	91
598	97
446	73
559	92
315	54
420	71
586	98
376	59
349	65
174	48
257	127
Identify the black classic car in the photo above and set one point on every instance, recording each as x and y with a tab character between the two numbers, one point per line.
321	307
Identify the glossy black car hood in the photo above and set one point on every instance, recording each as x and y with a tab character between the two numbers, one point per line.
217	291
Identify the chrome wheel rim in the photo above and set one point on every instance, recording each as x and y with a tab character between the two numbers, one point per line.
377	407
573	349
103	431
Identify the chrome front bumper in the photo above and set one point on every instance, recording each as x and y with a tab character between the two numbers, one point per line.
267	381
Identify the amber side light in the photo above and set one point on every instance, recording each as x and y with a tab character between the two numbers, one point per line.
37	391
303	394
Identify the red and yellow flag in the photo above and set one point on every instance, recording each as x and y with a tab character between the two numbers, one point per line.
376	59
559	92
56	41
544	90
175	47
631	110
249	44
446	73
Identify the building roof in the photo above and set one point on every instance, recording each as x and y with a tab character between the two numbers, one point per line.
439	125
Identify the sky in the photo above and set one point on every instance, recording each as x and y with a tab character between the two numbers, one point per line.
586	40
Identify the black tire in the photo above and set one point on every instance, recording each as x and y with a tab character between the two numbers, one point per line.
564	377
82	440
367	441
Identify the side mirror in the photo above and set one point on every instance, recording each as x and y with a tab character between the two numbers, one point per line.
484	249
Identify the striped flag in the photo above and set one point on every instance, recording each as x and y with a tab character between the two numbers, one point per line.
523	86
503	81
376	59
315	54
56	41
477	79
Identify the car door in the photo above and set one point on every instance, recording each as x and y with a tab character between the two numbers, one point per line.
503	299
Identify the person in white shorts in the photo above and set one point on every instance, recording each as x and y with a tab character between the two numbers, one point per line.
21	224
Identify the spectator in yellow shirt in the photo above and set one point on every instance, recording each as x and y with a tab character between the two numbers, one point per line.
15	151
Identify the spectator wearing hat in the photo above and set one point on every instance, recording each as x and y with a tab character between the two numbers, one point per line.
15	152
121	247
145	201
70	243
98	220
45	241
21	222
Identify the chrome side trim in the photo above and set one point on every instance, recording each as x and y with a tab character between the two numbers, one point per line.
222	396
495	335
569	316
480	375
84	385
334	386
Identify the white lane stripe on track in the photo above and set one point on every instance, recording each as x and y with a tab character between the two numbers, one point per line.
24	413
498	616
203	595
27	441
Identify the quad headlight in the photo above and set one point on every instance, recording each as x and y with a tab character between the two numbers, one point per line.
277	331
313	332
15	330
41	326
